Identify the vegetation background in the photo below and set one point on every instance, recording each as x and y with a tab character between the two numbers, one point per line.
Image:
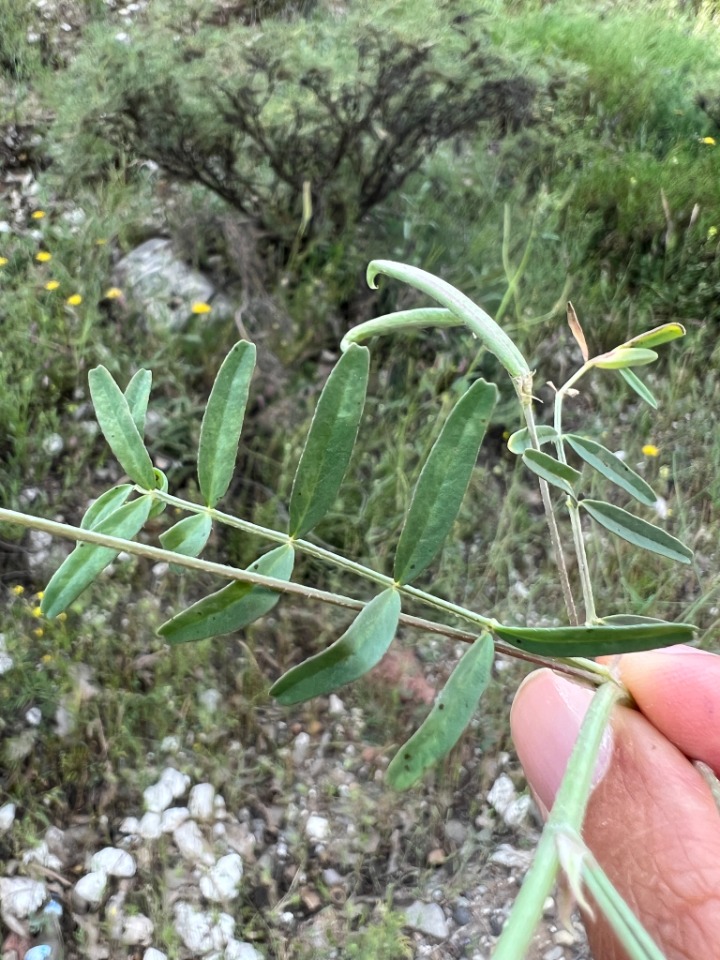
527	152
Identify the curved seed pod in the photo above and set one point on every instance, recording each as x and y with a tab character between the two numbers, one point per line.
235	606
358	650
86	561
451	713
330	441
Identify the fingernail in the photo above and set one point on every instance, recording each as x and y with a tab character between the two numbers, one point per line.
545	721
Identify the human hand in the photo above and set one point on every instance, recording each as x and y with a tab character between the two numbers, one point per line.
652	822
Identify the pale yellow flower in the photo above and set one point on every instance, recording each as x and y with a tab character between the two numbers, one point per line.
38	631
650	450
74	301
112	293
3	261
200	307
37	214
18	590
36	612
712	232
52	284
43	257
710	141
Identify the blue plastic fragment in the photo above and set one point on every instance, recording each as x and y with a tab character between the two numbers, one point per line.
41	952
54	908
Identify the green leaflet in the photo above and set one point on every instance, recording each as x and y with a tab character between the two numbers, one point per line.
450	715
624	357
80	568
653	338
552	470
636	531
235	606
222	422
639	387
520	441
137	394
596	640
105	504
119	429
188	536
443	481
330	441
612	467
356	652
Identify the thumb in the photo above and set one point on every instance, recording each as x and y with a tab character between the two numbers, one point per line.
651	821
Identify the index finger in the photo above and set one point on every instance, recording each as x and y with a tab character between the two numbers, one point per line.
678	690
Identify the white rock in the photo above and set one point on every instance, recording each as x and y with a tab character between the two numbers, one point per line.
202	932
170	745
317	828
91	888
129	825
149	826
508	856
239	950
427	918
7	814
152	954
172	818
219	807
210	699
116	863
21	896
201	802
33	717
502	794
336	707
517	812
301	745
158	797
137	930
222	882
191	844
178	782
41	854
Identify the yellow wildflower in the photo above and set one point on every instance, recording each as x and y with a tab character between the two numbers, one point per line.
664	472
39	595
712	232
46	658
74	301
710	141
112	293
18	590
101	242
37	214
43	257
650	450
62	616
38	631
36	612
200	307
52	284
3	261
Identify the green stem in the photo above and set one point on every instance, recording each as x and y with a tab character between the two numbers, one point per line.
568	812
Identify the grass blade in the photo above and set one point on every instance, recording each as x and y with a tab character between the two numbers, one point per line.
330	441
359	649
450	715
235	606
636	531
222	422
596	640
553	471
443	481
86	562
612	468
137	394
119	429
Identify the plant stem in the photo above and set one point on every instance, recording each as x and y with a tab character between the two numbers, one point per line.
567	813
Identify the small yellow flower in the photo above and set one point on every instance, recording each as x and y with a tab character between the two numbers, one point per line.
36	612
3	261
37	214
74	301
46	658
18	590
112	293
633	181
43	257
38	631
712	232
62	616
200	307
39	595
52	284
710	141
101	242
664	472
650	450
